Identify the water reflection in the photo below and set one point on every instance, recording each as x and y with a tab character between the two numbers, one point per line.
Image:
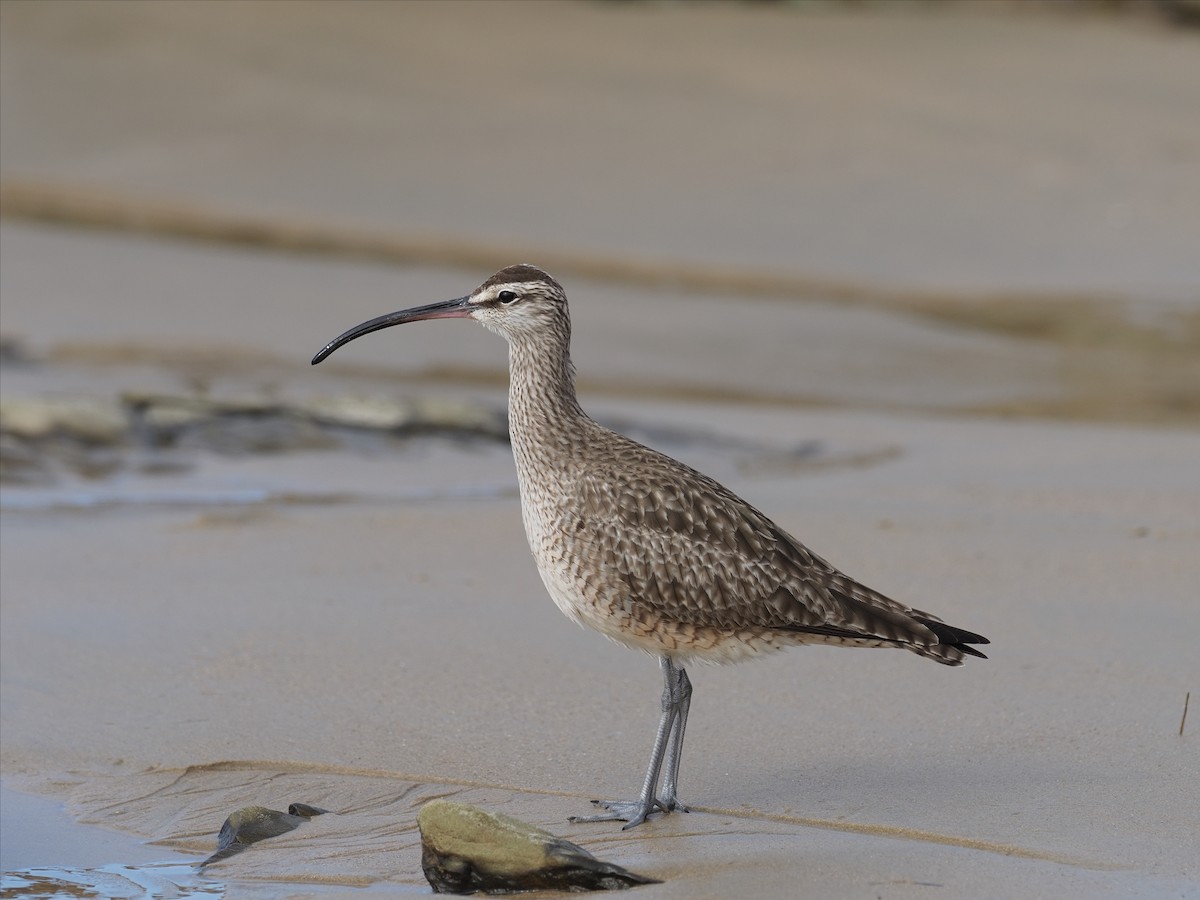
111	882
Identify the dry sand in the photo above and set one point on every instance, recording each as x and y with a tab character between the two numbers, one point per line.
364	630
980	148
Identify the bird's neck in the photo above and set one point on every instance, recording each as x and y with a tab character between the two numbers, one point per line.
549	430
541	394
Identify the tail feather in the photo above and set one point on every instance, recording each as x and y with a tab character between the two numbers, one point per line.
951	639
872	614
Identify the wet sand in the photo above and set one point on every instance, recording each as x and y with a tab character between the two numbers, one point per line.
361	628
177	663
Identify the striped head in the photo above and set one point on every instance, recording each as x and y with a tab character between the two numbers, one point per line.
518	302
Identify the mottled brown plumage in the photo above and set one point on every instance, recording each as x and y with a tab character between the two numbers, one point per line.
647	550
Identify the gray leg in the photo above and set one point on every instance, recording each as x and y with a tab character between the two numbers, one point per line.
676	697
669	801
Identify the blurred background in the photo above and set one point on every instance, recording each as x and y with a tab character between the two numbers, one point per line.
983	207
876	263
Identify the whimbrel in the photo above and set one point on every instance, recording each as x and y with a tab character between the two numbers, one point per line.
649	552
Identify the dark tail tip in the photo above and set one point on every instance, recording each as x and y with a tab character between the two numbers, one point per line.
958	638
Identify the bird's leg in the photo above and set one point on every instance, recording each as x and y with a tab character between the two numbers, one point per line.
683	701
634	812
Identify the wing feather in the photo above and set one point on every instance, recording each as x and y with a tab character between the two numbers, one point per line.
685	547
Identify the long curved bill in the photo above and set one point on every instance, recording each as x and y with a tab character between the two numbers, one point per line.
458	308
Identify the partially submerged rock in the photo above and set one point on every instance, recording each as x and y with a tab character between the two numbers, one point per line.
82	433
411	415
149	433
375	411
252	824
230	425
465	849
93	420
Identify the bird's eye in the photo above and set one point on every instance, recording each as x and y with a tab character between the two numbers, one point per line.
507	297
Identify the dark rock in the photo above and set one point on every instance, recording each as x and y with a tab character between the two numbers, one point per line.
252	824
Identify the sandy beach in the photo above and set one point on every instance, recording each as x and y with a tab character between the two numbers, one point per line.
973	383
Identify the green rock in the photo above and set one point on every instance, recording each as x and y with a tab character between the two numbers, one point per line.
465	849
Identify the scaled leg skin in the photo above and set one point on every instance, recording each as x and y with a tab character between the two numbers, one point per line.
676	697
669	800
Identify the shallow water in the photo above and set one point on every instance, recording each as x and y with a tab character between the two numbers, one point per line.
44	852
110	881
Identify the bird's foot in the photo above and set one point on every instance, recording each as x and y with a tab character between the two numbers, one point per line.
632	812
672	804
